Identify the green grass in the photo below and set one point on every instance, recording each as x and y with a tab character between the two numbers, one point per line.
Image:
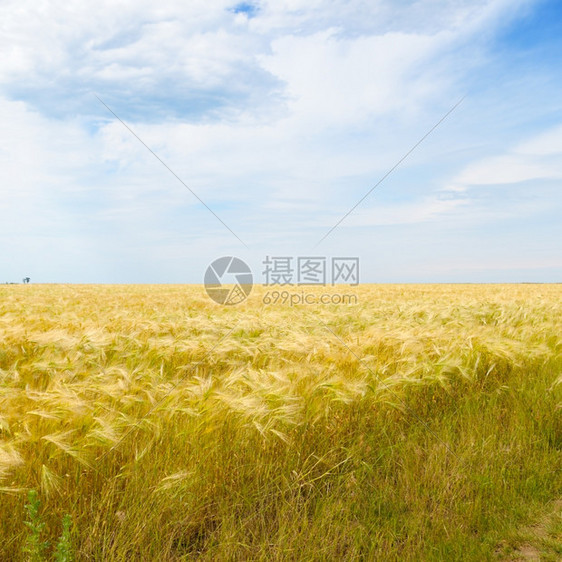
422	423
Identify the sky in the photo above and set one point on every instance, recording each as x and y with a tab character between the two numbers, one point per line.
278	117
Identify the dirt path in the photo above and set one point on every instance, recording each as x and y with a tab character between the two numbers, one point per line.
540	541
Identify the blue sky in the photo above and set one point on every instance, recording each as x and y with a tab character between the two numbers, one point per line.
281	116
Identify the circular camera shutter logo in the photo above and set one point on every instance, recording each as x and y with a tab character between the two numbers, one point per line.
228	280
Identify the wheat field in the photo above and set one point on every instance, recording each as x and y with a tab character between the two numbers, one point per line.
423	422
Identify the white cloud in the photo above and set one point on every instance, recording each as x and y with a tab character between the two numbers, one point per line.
416	212
507	169
350	80
537	158
544	144
278	121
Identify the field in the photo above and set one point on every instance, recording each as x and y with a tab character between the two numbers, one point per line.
422	423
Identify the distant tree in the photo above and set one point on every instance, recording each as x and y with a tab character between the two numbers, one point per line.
26	279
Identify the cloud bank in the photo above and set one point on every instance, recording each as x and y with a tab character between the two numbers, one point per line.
280	116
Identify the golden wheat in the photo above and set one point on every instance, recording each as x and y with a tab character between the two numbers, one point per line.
419	423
